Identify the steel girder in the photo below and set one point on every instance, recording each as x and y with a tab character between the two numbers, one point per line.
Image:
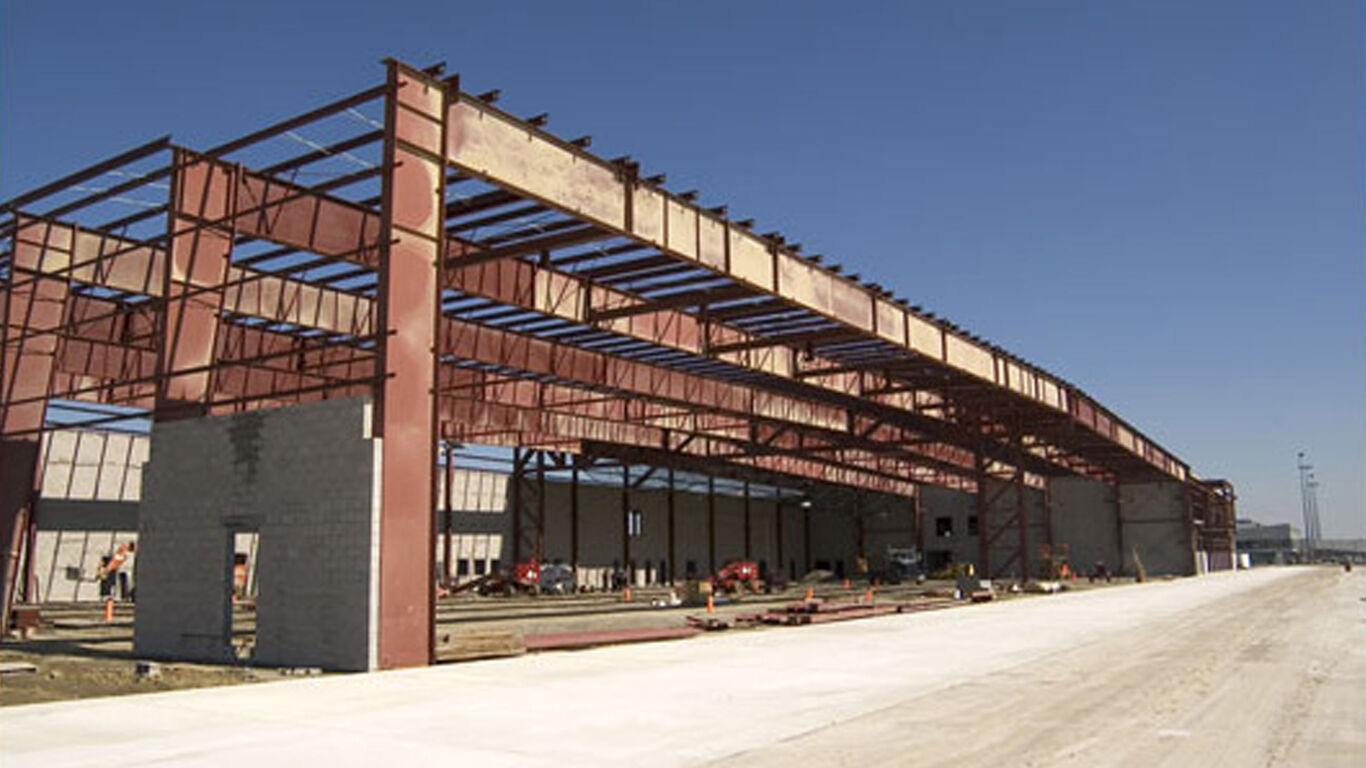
603	313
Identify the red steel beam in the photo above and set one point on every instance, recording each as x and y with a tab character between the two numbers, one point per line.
286	300
27	365
193	289
296	217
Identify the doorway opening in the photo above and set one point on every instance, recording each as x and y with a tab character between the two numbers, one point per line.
243	543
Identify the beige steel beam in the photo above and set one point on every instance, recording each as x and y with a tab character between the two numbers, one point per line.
490	144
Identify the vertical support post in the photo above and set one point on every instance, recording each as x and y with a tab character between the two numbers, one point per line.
983	507
540	507
673	552
29	587
1189	510
1022	522
519	457
412	241
861	535
747	522
35	305
779	512
806	536
1049	538
711	524
574	521
448	505
626	524
918	525
1119	529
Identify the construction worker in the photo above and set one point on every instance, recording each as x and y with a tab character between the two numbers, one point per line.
110	575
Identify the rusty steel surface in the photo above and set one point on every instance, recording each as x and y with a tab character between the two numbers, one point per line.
483	280
405	419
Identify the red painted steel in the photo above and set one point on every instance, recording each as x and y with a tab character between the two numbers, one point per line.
205	336
201	248
566	641
405	418
33	302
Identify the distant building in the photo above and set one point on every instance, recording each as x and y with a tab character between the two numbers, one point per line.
1277	544
1342	549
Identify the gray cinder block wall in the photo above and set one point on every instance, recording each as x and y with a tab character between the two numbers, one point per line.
1150	517
888	521
303	477
92	480
1084	520
1154	516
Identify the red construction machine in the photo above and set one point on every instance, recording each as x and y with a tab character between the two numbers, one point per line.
737	575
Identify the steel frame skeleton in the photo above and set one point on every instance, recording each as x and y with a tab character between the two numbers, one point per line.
485	281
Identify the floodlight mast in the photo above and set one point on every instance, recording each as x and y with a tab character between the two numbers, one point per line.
1309	505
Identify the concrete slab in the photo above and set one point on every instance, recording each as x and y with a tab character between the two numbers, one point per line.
660	704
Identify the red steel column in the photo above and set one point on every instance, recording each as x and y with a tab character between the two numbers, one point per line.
1022	523
448	505
673	525
711	524
983	506
412	229
32	313
574	520
747	522
1118	568
202	192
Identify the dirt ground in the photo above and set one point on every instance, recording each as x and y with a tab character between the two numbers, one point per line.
78	655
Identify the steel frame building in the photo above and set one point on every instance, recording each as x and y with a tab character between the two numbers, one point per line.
486	281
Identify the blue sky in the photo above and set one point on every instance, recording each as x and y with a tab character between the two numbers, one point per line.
1161	201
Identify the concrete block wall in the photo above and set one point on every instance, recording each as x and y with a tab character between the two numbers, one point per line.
956	545
93	465
480	500
92	481
1004	550
71	547
839	537
301	476
482	528
1085	521
1154	516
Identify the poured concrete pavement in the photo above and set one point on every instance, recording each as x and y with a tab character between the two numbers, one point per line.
1261	667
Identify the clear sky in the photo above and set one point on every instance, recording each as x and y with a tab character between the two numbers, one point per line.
1161	201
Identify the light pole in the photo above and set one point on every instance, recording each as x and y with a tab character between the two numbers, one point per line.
1317	536
1304	468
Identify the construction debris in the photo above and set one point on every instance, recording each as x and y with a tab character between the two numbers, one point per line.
821	612
564	641
483	645
706	624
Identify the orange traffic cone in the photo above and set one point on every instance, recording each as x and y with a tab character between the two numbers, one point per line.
810	594
108	610
711	604
626	595
868	596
